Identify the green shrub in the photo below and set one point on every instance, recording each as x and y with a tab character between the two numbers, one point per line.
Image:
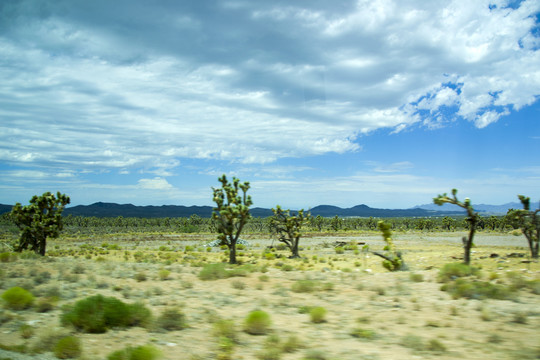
362	333
172	319
68	347
453	271
17	298
413	342
257	323
7	257
140	276
213	272
96	314
27	331
436	346
416	277
317	314
304	286
314	355
225	328
292	344
463	288
164	274
238	285
339	250
144	352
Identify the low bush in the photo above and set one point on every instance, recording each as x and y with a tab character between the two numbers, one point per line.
96	314
453	271
68	347
257	323
7	257
172	319
144	352
220	271
362	333
225	328
416	277
304	286
464	288
317	315
17	298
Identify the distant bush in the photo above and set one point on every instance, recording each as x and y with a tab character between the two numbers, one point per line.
453	271
220	271
225	328
362	333
96	314
68	347
257	323
317	314
304	286
172	319
463	288
144	352
17	298
8	257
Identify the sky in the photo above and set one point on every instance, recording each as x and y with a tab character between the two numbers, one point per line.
380	102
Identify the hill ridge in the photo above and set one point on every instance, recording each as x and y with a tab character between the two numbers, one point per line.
106	209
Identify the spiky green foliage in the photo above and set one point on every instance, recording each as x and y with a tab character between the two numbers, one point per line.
529	223
392	258
472	219
231	212
287	228
41	219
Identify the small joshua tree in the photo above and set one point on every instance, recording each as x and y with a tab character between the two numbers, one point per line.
392	258
39	220
231	212
472	219
529	222
288	228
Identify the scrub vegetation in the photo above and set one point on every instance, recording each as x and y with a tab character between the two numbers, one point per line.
126	288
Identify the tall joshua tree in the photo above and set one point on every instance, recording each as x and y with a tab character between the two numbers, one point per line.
472	219
41	219
529	222
288	228
231	212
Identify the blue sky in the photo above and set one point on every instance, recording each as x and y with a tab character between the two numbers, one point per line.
384	103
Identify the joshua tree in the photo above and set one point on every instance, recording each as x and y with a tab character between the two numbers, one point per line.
40	219
472	219
529	222
231	212
392	258
288	228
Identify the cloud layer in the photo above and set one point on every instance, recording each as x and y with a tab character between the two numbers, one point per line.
90	86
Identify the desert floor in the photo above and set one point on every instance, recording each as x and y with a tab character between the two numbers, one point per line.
371	313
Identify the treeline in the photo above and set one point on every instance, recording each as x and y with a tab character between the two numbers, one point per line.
89	225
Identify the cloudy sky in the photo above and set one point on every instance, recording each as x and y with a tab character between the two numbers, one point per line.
378	102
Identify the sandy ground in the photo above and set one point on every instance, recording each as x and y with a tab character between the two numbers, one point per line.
403	319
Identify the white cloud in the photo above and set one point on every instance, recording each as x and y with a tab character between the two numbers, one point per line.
156	183
78	91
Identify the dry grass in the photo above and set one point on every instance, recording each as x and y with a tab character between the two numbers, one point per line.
370	313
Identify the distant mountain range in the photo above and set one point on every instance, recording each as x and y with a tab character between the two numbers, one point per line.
101	209
483	209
